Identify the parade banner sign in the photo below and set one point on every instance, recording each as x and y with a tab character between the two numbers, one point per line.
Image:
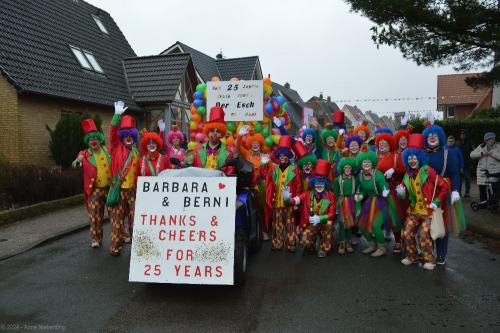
307	115
184	230
241	100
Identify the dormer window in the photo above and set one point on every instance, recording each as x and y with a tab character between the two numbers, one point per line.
87	59
99	23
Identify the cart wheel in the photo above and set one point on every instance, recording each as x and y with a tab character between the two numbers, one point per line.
474	206
240	257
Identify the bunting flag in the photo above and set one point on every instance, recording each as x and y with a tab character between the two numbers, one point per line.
428	98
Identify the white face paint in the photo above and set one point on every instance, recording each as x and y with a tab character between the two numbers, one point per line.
366	165
152	146
330	141
214	136
347	170
403	142
383	146
283	159
128	141
433	140
362	135
413	161
354	147
319	187
307	168
309	139
256	146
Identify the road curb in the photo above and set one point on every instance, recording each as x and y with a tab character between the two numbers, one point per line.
19	214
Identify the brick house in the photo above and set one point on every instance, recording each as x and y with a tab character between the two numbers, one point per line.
458	100
295	104
324	109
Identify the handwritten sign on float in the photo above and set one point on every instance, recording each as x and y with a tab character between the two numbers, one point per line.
184	230
241	100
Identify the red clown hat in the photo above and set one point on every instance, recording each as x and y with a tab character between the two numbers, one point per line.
299	149
338	117
417	141
323	168
127	122
216	120
88	126
285	142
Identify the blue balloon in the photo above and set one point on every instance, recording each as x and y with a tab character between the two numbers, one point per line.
198	95
280	100
198	102
269	108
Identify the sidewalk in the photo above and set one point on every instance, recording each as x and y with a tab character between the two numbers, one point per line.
26	234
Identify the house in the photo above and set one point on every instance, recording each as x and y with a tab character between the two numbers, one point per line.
387	122
458	100
60	57
295	104
354	114
323	109
246	68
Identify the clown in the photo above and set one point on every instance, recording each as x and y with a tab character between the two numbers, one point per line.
373	190
392	166
124	162
310	141
344	188
353	145
214	153
280	176
152	162
306	163
95	162
364	133
448	167
426	191
327	146
317	211
175	139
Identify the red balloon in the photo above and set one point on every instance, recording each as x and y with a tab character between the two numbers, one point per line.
192	136
276	106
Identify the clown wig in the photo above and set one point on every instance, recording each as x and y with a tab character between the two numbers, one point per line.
347	161
363	127
308	131
252	138
284	151
174	133
421	156
309	158
380	130
93	136
369	155
315	180
218	125
387	137
435	129
401	133
329	132
352	138
150	136
124	132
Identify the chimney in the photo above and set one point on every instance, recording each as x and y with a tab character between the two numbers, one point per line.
320	95
219	56
269	75
329	99
287	85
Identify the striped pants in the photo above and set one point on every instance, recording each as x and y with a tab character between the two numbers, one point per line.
311	232
283	224
418	228
125	208
96	203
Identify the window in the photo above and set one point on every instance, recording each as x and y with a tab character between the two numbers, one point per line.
86	59
450	111
99	23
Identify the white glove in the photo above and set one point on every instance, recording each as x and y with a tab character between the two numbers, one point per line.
431	118
314	219
400	190
80	158
277	122
433	206
388	174
404	120
358	197
385	192
341	131
264	159
296	201
120	107
286	193
455	196
161	125
243	130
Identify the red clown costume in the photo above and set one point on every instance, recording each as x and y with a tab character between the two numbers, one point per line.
151	163
95	163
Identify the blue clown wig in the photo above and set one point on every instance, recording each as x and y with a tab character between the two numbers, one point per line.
284	151
435	129
315	179
352	138
383	130
124	132
309	131
421	156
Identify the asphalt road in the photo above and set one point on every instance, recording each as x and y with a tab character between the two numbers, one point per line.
66	285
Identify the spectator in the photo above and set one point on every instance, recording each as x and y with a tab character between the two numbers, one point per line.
466	148
488	154
454	149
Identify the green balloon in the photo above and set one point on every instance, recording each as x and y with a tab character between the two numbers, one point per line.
265	132
258	127
230	126
269	141
201	87
201	110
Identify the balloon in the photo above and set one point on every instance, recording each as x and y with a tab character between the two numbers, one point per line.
268	141
267	81
198	95
276	138
223	140
280	100
275	131
267	149
229	141
199	137
197	103
193	109
276	106
201	87
196	118
200	127
193	125
265	132
192	136
268	90
201	110
265	120
269	108
258	127
215	78
230	126
192	145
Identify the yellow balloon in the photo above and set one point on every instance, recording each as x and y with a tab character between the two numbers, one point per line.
265	120
276	138
223	140
193	125
192	145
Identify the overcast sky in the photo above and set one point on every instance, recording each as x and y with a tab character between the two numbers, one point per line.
316	46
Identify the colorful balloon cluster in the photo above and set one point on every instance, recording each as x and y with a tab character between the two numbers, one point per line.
274	106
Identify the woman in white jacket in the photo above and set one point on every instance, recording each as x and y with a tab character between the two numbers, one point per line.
488	154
